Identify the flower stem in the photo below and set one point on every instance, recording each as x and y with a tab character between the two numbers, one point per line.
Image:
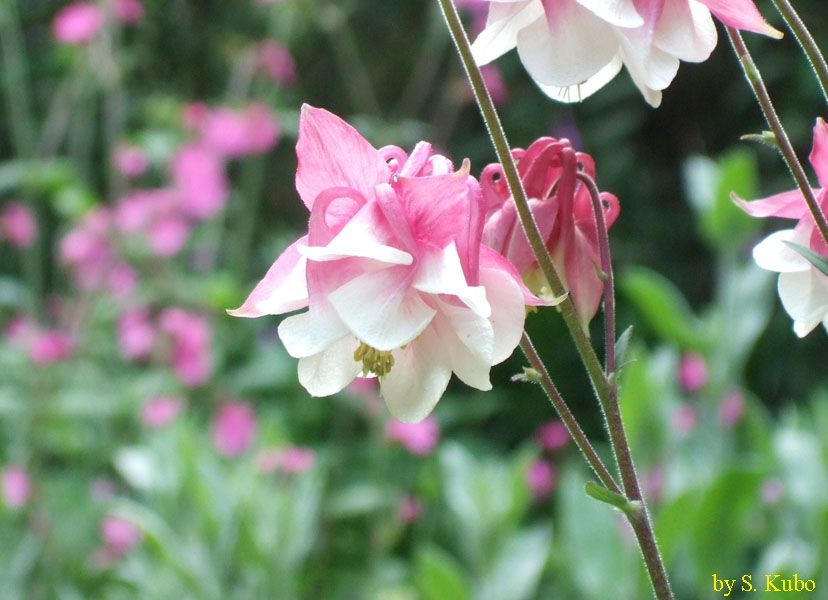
806	40
603	383
606	267
754	77
566	415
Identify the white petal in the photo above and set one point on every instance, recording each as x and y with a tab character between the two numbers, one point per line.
440	272
417	380
331	370
774	255
580	91
508	312
569	51
291	295
310	332
686	31
468	345
505	20
380	309
649	67
617	12
805	298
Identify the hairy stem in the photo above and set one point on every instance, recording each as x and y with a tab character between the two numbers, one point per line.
566	415
754	77
806	40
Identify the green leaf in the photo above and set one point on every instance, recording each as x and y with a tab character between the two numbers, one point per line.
518	566
621	345
820	262
663	307
438	575
606	496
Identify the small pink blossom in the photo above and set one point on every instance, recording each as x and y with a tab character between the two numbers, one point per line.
18	224
232	134
78	22
732	408
552	436
275	60
17	487
49	346
130	161
119	535
263	127
541	478
161	411
290	459
198	176
88	250
128	12
692	372
191	355
562	208
194	114
234	428
409	509
136	333
685	418
419	438
156	216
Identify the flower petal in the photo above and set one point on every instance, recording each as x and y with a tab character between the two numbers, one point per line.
492	260
332	154
310	332
505	20
331	370
774	255
819	152
420	375
283	288
381	309
805	298
787	205
741	14
508	311
463	335
686	31
621	13
580	91
440	272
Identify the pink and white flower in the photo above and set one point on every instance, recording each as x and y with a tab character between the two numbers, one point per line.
572	48
802	287
392	271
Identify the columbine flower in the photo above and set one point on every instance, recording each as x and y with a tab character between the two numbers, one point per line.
803	288
563	211
572	48
392	271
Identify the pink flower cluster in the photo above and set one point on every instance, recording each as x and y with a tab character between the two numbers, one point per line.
43	345
80	22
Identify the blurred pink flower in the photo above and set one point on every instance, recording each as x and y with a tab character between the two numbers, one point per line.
121	280
233	134
290	459
653	484
685	418
128	12
234	428
88	250
692	372
130	161
156	215
198	175
494	83
193	115
17	488
409	509
275	60
732	408
102	489
419	438
19	329
552	436
119	535
168	234
191	356
541	478
161	411
18	224
49	346
136	334
78	22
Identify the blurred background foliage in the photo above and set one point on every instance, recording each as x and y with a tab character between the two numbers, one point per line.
293	497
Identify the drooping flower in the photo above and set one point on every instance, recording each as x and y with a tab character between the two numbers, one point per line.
802	287
18	225
572	48
419	438
234	428
563	211
396	281
78	22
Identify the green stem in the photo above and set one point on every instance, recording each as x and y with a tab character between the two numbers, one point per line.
566	415
15	80
754	77
806	41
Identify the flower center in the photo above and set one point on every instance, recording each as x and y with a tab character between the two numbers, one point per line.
378	362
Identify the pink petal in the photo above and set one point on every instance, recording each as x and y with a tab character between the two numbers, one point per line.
440	272
283	288
741	14
819	153
489	259
331	154
787	205
507	297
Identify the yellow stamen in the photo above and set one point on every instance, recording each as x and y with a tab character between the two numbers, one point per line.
378	362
